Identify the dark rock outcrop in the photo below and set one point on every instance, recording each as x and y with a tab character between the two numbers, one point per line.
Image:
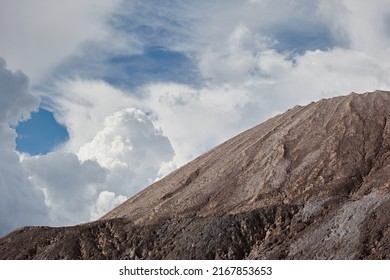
312	183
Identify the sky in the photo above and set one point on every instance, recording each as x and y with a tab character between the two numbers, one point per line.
101	98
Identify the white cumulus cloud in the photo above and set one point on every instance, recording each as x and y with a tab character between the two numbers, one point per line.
131	148
104	203
70	186
125	156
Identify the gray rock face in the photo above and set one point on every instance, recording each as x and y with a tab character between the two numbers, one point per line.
312	183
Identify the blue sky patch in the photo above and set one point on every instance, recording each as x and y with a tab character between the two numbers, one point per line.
40	134
155	64
301	38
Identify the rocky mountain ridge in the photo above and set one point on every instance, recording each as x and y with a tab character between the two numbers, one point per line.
311	183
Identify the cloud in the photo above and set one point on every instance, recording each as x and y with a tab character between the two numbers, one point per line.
194	120
126	155
105	202
360	26
191	28
76	102
70	187
21	203
249	77
116	151
228	43
16	100
36	36
131	148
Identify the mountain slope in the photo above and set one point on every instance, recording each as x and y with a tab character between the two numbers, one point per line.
311	183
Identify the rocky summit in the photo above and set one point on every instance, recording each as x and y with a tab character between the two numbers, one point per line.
311	183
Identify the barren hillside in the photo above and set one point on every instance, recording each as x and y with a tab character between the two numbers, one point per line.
311	183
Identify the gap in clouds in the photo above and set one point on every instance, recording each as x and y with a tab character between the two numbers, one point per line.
301	38
155	64
130	70
40	134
